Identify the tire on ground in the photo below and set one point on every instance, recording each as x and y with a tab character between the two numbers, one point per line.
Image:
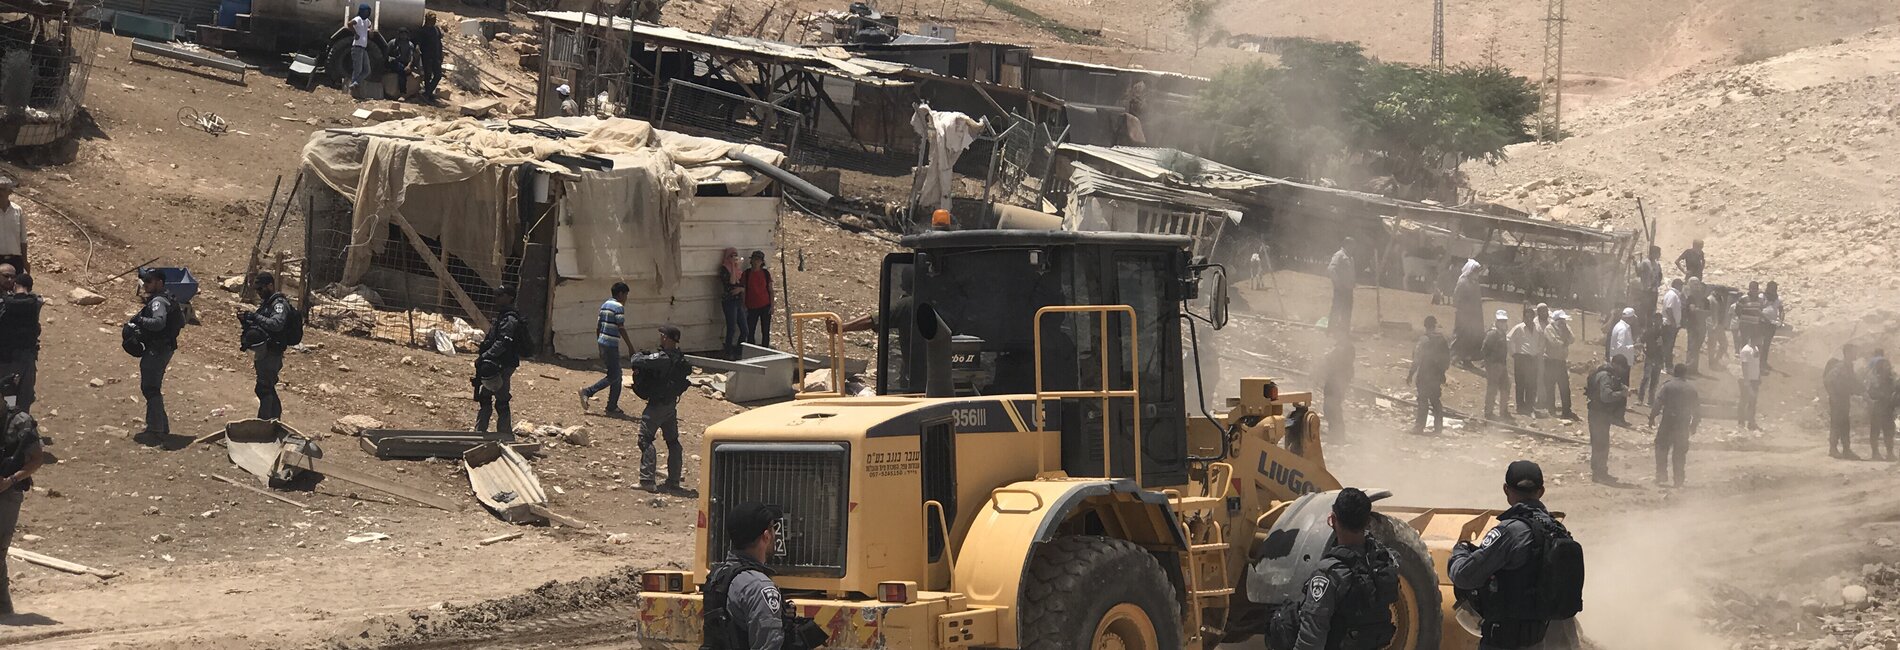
338	66
1074	581
1415	570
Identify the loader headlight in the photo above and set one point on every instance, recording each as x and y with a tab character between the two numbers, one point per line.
901	593
672	582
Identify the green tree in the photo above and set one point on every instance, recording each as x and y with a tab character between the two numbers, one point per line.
1329	111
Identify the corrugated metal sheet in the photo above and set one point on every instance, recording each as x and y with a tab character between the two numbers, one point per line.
714	223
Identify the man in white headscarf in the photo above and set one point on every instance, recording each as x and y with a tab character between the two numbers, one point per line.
1468	324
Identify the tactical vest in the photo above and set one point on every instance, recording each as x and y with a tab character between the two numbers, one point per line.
1362	619
174	322
718	629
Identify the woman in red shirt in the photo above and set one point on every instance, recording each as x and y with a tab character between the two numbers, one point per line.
758	301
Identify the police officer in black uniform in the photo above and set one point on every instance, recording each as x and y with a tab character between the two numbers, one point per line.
744	610
1502	573
659	377
1348	601
496	361
20	457
157	326
263	336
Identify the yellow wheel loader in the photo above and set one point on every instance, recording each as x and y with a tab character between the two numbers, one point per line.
1034	473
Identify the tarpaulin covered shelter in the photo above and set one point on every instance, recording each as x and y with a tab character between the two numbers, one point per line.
424	211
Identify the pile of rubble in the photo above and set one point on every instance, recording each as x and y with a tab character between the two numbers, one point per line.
1855	611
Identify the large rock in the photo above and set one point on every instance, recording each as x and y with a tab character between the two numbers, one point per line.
353	425
479	108
81	296
1854	595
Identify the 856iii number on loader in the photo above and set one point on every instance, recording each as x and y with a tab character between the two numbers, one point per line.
1034	474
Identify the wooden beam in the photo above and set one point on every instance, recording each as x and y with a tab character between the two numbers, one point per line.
51	562
330	469
500	538
441	271
552	516
262	491
992	100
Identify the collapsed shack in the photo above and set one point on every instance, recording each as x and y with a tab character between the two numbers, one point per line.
44	65
1410	245
827	108
433	216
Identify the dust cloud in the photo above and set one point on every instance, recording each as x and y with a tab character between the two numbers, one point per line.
1644	587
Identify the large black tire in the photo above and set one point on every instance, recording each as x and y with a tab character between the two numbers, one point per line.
337	65
1076	582
1419	614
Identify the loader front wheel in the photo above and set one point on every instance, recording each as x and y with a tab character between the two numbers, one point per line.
1098	593
1418	614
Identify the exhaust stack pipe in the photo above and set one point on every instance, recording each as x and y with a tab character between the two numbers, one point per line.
936	336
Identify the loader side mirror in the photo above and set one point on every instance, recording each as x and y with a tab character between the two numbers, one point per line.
1217	304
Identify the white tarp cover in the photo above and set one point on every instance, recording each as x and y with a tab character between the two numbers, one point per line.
455	181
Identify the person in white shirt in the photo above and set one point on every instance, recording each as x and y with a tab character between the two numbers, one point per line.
1345	274
359	46
1671	321
1622	339
12	228
1751	385
1527	360
569	107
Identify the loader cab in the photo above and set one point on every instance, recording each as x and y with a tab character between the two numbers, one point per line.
987	287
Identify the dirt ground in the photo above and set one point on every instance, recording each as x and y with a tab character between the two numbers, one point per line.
207	565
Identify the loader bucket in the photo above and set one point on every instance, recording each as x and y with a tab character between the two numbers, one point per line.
1440	529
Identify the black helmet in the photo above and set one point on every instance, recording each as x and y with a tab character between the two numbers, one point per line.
486	369
129	340
253	337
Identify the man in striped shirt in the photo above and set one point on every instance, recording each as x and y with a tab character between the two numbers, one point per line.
611	330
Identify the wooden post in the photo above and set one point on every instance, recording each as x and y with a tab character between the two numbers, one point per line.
441	272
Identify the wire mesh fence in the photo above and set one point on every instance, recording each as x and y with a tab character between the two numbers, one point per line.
44	67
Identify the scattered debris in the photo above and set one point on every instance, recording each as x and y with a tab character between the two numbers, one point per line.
360	538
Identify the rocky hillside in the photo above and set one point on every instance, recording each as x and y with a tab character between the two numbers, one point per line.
1783	166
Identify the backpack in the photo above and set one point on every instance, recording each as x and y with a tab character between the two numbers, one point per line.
292	333
717	628
1370	587
1551	585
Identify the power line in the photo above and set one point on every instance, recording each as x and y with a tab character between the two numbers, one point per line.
1551	109
1438	34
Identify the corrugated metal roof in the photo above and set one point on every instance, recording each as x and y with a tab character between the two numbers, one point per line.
917	39
1089	182
1109	68
1146	162
836	58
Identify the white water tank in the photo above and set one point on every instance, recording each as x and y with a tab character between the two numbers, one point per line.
330	15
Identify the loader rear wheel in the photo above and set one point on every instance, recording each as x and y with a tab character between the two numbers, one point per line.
1098	593
1418	614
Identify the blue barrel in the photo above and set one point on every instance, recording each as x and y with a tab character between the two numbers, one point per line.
229	9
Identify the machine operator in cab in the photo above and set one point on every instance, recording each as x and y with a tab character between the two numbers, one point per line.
1347	604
